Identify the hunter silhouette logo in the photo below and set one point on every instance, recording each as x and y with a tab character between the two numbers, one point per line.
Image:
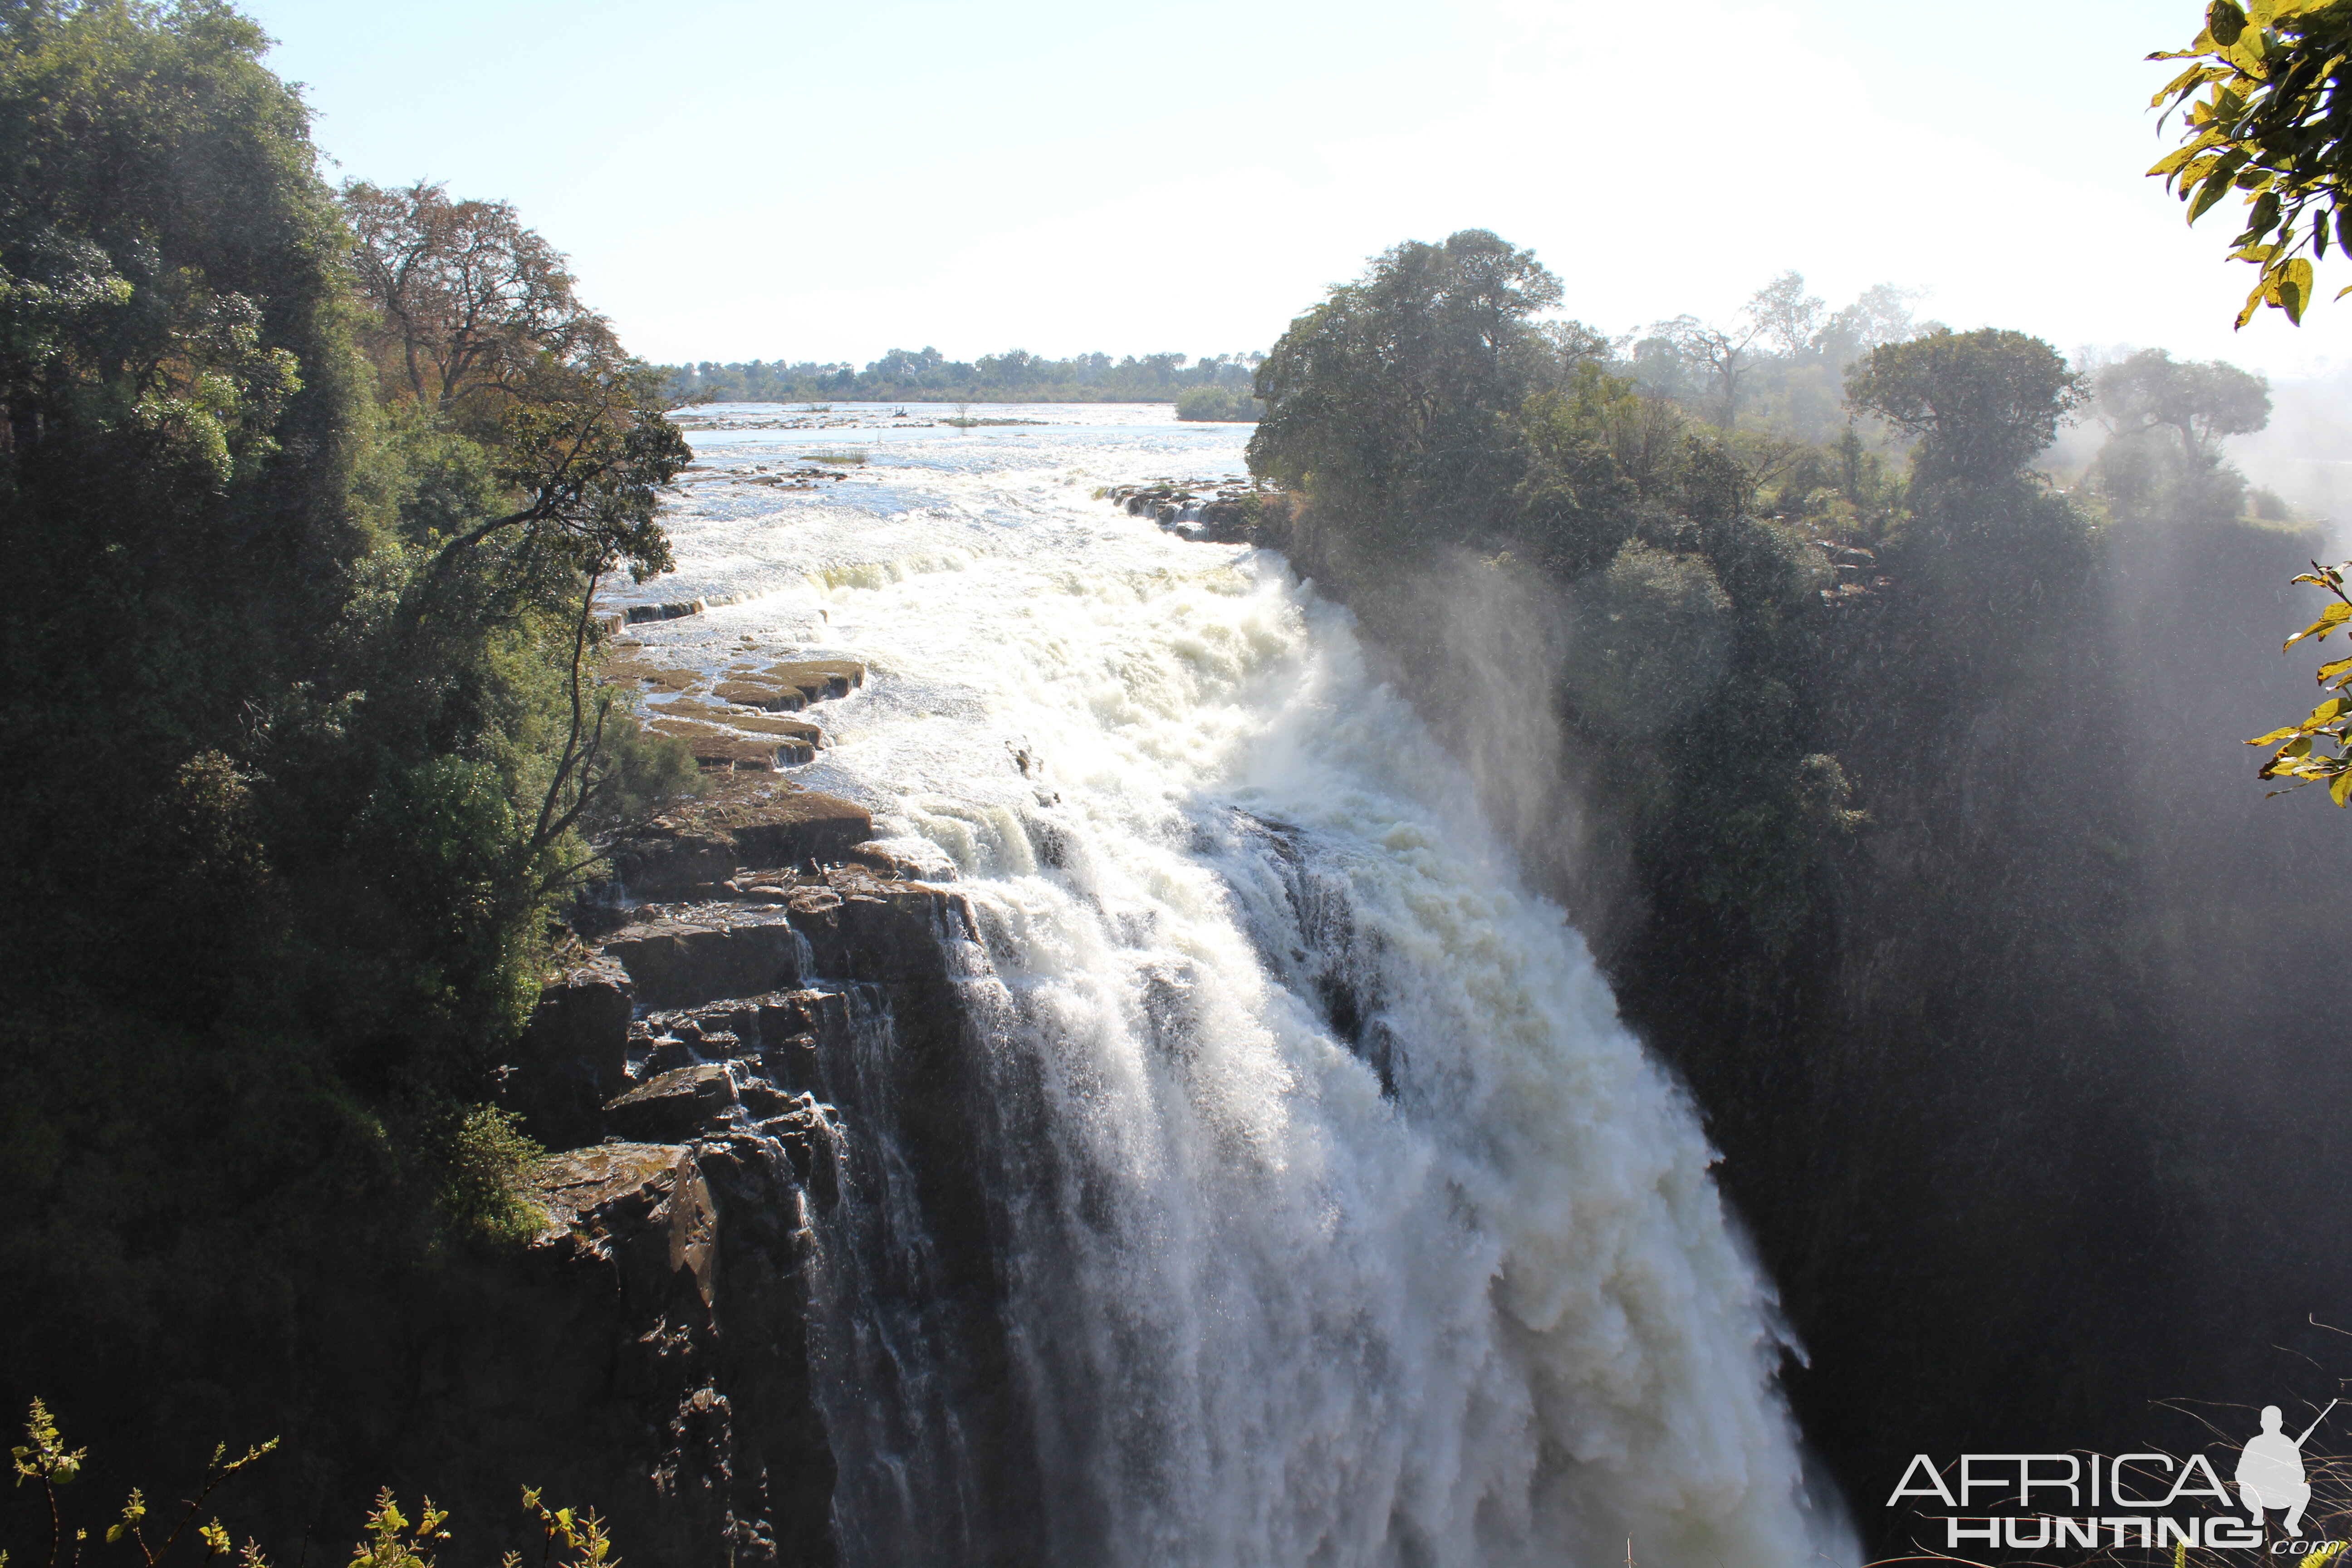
2270	1471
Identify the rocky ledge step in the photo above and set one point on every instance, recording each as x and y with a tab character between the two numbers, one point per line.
678	960
695	849
742	731
791	685
724	750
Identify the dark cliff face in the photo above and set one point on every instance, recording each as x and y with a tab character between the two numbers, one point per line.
780	1289
763	1307
2020	1118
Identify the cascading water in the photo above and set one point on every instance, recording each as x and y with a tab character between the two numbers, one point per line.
1335	1216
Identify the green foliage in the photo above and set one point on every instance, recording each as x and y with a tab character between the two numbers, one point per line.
2264	105
1981	404
485	1165
2169	420
2200	405
643	768
1393	401
391	1539
1652	640
296	681
1591	449
581	1533
45	1460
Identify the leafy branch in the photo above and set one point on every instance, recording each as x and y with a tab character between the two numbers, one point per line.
2268	110
43	1457
2300	758
583	1534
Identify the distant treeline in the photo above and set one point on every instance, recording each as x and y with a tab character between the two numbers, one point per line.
926	375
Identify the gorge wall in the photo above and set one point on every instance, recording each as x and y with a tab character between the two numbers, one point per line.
2022	1116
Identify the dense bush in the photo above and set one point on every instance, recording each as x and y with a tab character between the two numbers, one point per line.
293	678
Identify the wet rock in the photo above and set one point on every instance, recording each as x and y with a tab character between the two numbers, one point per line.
651	1349
679	1104
662	678
574	1054
861	927
702	844
808	828
889	863
726	751
819	678
734	950
762	695
760	723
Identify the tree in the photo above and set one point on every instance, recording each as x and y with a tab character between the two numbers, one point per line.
1880	314
470	305
475	328
297	731
1790	319
2267	110
2268	113
1993	558
1981	404
1389	401
1724	352
2201	404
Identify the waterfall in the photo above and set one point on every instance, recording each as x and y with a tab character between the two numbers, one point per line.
1334	1216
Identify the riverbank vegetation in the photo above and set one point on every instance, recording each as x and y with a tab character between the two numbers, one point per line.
1898	782
304	498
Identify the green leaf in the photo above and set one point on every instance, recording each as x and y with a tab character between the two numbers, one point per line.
2225	21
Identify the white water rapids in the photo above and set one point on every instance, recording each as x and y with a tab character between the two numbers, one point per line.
1262	1311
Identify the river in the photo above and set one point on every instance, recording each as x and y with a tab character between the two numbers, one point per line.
1357	1230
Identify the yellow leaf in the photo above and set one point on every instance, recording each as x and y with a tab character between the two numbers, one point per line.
2334	615
2340	788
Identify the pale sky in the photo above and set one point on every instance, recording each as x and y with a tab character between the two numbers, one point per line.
738	179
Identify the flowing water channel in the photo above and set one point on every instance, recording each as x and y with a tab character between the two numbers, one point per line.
1350	1227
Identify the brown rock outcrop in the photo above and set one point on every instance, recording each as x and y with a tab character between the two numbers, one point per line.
692	850
678	960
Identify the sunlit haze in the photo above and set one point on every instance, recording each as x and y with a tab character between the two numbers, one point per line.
737	180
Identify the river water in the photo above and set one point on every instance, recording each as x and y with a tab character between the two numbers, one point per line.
1366	1233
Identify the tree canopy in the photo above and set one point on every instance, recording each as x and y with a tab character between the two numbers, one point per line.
2201	404
305	500
1981	403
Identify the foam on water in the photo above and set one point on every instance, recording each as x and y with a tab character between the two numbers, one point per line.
1367	1234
